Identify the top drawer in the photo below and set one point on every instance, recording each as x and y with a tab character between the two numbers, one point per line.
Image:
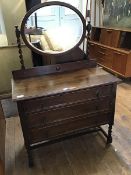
45	103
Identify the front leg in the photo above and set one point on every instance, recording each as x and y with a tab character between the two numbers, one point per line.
30	158
109	136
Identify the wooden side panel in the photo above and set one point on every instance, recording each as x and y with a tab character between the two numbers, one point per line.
92	51
52	69
1	168
2	141
105	56
110	37
115	38
119	62
106	37
128	66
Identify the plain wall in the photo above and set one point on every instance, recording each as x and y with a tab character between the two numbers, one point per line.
96	12
13	12
3	38
9	60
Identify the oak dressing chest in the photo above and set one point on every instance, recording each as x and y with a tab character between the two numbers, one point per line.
62	100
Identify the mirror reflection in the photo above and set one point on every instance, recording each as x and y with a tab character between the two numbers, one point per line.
53	29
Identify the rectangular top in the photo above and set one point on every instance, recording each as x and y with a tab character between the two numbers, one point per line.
58	83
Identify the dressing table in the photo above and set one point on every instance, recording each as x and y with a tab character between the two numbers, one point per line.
60	101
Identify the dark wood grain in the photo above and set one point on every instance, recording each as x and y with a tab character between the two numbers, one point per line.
59	83
60	100
52	69
68	112
70	126
54	106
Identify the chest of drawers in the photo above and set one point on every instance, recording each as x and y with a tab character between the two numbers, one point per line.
60	108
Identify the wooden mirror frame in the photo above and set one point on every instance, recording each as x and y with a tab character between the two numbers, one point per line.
45	4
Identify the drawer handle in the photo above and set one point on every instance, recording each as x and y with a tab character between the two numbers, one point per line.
103	48
46	134
92	44
97	107
111	104
44	120
58	68
102	53
109	31
101	59
98	94
41	106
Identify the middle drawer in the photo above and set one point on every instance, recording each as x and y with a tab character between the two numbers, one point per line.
64	113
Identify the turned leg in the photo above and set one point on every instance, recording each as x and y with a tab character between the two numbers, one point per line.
109	137
30	158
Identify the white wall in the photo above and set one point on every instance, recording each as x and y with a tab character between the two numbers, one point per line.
96	13
9	61
2	25
13	12
3	38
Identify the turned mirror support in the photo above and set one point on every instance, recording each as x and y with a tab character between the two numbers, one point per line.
17	31
103	1
109	138
88	28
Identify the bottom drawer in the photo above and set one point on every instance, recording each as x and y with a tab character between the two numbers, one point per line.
86	121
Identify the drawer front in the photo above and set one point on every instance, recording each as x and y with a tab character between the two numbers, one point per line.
105	57
41	134
106	37
45	103
101	55
109	37
119	62
68	113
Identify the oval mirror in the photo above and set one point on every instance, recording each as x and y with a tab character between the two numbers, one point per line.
53	28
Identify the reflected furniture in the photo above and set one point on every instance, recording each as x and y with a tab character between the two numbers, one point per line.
112	49
64	100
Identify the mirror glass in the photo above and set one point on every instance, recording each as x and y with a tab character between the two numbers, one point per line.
53	29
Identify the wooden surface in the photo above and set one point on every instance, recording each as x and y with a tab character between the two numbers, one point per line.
109	37
1	168
122	128
60	83
84	155
53	69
